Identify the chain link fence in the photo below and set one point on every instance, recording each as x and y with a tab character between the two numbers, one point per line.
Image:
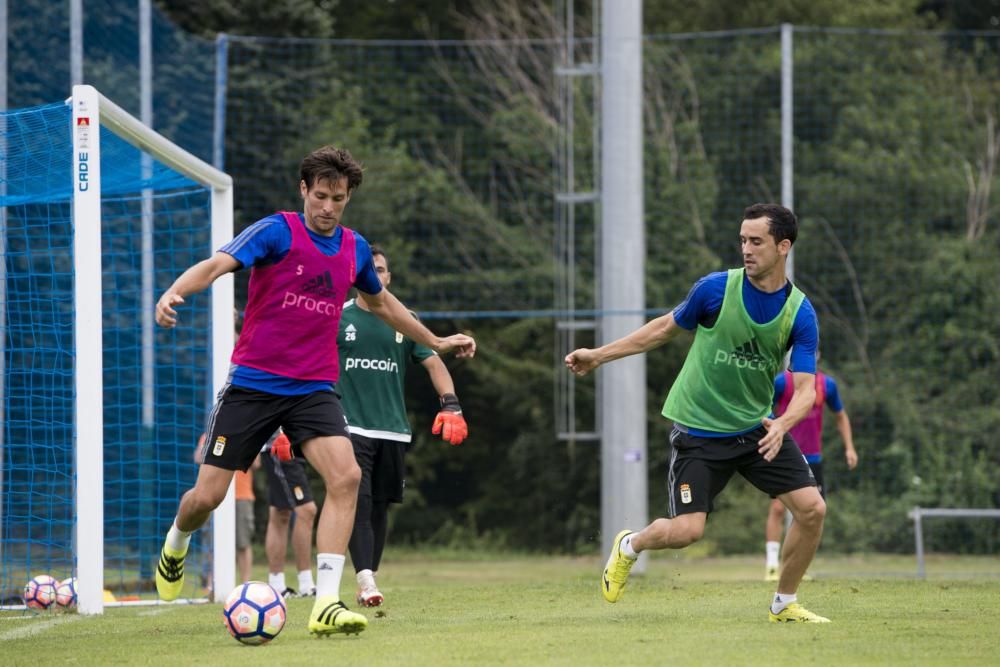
896	146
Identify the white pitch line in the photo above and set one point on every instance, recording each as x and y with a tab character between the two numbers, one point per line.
41	626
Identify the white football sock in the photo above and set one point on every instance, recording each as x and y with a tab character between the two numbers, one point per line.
277	581
625	546
366	579
773	549
329	568
306	581
782	600
177	539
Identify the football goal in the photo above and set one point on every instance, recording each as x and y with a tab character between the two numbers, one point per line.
102	409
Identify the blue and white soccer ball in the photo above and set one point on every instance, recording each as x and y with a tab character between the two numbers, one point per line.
254	613
66	593
40	592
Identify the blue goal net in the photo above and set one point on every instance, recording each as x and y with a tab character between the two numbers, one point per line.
156	383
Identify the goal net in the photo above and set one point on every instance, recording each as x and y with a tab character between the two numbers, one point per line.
101	409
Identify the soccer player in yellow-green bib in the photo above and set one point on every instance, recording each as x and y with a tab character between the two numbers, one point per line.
744	320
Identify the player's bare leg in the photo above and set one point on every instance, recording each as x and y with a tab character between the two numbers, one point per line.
675	533
808	512
661	534
196	506
333	458
772	534
801	541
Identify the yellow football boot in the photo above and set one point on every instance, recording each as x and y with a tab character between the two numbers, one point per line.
329	616
616	570
795	613
170	573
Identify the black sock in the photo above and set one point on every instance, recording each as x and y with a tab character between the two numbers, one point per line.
362	540
380	526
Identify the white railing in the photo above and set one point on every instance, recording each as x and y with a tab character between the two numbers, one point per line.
918	514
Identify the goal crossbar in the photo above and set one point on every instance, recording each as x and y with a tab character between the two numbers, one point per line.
132	130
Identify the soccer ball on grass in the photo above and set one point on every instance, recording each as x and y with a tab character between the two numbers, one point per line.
66	593
40	592
254	613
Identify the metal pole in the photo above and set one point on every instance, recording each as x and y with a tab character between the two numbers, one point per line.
787	131
221	81
918	537
76	42
146	116
622	266
3	246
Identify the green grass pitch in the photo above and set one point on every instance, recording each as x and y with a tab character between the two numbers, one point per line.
478	610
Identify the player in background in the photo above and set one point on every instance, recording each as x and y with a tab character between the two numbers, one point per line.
808	435
289	497
284	367
245	524
744	320
373	362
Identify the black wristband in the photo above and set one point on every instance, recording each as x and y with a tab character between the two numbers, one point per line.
449	403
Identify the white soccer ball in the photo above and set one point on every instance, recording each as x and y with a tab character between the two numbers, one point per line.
66	593
40	592
254	613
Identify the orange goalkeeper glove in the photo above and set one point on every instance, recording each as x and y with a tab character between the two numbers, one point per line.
281	448
449	423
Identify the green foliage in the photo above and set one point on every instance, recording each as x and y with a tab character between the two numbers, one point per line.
311	18
678	16
895	163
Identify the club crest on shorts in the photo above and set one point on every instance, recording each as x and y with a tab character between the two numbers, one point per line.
298	493
220	444
685	493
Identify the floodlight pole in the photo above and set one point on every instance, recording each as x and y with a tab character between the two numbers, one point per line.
146	116
76	42
787	132
3	245
622	270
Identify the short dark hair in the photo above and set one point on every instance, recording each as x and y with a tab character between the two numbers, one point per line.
332	164
377	250
781	222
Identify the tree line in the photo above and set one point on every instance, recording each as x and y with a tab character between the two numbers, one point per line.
894	163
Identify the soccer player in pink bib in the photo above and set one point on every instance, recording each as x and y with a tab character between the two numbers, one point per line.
285	367
808	435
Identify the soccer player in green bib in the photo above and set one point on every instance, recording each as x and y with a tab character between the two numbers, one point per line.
373	362
744	320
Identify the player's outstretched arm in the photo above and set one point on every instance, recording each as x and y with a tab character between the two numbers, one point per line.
391	311
197	278
649	336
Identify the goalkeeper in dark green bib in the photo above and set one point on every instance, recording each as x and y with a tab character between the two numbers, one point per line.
373	362
744	321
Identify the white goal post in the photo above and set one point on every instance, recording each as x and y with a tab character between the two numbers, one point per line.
91	111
